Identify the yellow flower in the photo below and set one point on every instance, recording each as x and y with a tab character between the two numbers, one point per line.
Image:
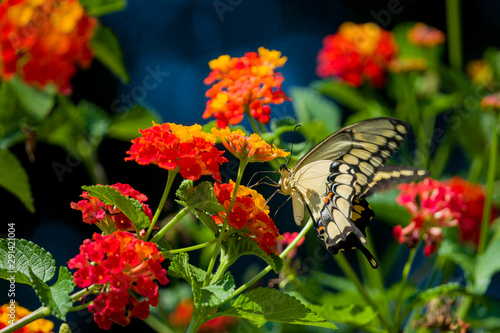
252	149
272	57
38	326
479	71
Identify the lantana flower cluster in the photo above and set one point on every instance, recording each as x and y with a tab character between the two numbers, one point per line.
434	205
423	35
246	84
125	267
249	215
44	41
38	326
357	53
107	217
172	146
252	148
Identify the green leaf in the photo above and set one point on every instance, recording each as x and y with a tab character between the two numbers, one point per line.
194	276
487	264
351	314
202	198
458	254
345	94
309	105
22	258
14	179
240	246
387	209
55	297
125	125
108	51
98	8
264	304
129	206
37	103
214	295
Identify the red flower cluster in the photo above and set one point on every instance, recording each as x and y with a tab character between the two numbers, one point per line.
171	146
182	314
432	205
246	84
249	215
473	196
109	218
423	35
125	266
38	326
44	41
288	238
357	52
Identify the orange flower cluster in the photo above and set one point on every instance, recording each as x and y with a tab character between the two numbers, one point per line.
172	146
249	215
423	35
252	149
44	41
357	53
14	312
246	84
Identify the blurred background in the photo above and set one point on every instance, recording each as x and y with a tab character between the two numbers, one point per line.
166	49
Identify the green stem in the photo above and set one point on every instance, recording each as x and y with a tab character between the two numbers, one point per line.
252	121
454	33
189	248
35	315
490	186
475	168
180	215
404	280
170	180
268	268
196	322
349	272
211	264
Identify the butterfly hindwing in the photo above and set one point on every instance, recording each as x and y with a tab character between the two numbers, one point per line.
390	174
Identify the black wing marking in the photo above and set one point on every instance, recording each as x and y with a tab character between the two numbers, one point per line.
390	174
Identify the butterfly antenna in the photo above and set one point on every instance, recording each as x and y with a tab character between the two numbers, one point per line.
277	210
293	140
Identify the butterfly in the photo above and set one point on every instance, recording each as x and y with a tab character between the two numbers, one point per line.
334	178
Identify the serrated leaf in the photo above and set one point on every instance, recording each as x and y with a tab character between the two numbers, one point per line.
55	297
37	103
487	264
108	51
351	314
125	125
217	293
129	206
14	179
19	257
309	105
98	8
264	304
181	268
240	246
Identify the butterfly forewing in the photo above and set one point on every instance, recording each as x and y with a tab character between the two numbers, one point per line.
365	146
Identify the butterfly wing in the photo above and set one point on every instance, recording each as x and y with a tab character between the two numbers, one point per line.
328	189
365	146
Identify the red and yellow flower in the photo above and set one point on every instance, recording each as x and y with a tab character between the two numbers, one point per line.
473	196
125	267
44	41
423	35
252	148
13	311
107	217
249	215
357	53
491	102
247	84
433	205
171	147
